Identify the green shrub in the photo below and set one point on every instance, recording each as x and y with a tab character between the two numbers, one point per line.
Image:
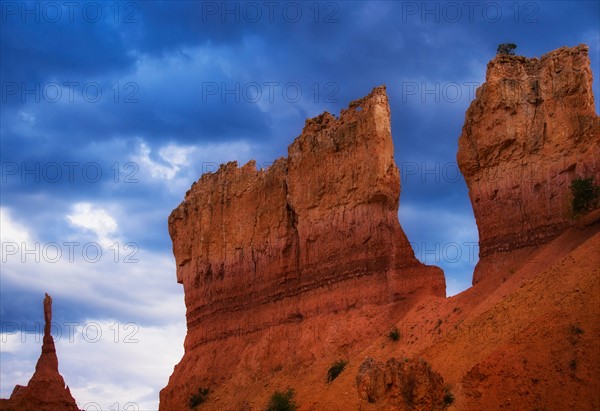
573	364
335	369
394	334
506	48
200	397
585	194
282	401
448	395
448	398
576	330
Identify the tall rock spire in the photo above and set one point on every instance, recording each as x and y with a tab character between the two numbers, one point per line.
46	390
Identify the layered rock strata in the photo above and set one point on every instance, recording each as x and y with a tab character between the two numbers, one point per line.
530	131
314	234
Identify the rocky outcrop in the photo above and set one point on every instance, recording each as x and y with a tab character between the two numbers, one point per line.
46	390
530	131
409	385
315	234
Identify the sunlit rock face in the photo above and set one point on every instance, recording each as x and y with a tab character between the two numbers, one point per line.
313	236
530	131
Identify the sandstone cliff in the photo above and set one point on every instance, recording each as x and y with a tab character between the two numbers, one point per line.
289	269
271	260
530	131
46	390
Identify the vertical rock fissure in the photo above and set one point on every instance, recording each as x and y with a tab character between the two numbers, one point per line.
293	221
252	250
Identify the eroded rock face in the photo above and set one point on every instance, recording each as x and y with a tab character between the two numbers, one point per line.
314	234
408	384
530	131
46	390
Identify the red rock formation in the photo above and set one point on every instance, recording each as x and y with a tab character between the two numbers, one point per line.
46	390
409	384
313	235
530	131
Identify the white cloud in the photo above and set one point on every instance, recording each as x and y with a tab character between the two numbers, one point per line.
141	356
27	116
11	231
180	165
170	162
142	293
96	220
176	155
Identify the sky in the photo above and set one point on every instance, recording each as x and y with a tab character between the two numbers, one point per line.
110	110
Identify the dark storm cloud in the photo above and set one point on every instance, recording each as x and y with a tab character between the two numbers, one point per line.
400	41
153	114
151	51
37	46
164	70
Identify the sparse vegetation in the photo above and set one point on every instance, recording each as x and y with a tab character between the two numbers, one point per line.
335	369
456	310
448	396
573	364
576	330
282	401
506	48
585	195
394	334
198	398
438	323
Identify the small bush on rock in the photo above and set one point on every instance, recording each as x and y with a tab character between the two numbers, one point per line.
200	397
448	396
335	369
585	195
282	401
506	48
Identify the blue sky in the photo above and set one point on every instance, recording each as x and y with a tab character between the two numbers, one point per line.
110	111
